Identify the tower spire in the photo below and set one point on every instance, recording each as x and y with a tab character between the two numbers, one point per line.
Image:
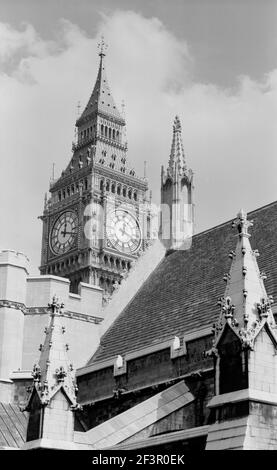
177	155
245	303
53	396
101	100
177	217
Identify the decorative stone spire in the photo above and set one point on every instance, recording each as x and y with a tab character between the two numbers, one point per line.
177	154
176	196
54	387
101	100
245	305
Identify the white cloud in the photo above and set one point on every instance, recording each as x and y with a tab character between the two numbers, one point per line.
229	135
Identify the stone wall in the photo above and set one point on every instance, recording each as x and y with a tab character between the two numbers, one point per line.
105	395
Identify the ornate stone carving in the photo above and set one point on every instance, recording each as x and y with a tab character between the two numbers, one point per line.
264	306
61	374
55	306
247	336
36	373
242	224
227	308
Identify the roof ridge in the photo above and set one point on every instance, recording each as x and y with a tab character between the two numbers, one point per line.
231	220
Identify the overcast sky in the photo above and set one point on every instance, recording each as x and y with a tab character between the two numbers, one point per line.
212	62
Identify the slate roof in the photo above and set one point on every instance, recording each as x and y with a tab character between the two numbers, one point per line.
13	426
180	296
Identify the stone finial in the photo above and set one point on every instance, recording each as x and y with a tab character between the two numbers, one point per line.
177	125
56	306
242	223
102	46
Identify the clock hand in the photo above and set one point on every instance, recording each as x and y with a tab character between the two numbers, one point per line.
64	232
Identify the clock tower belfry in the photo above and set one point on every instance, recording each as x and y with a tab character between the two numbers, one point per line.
96	221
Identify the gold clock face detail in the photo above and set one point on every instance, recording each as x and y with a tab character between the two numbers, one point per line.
123	231
63	233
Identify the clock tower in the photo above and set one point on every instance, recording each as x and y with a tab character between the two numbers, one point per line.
96	221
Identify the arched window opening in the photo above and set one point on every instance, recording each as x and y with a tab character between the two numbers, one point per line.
60	195
108	186
119	190
101	185
130	194
110	133
106	131
113	134
135	196
233	363
124	192
113	188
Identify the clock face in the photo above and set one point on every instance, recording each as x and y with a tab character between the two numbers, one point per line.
64	232
123	231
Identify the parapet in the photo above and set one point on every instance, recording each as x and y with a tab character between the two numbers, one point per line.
41	289
14	258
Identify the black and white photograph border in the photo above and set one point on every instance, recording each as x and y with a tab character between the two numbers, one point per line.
138	208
